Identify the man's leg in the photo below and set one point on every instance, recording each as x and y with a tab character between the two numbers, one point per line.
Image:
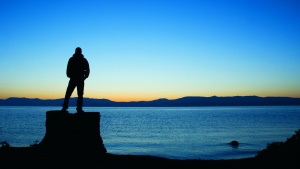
70	89
80	89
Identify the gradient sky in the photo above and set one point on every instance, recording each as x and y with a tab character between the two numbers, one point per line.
150	49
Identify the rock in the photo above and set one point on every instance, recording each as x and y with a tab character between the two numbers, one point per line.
234	143
73	133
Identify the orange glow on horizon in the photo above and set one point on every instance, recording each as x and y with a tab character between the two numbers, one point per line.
133	98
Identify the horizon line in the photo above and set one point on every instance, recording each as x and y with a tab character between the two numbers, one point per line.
157	98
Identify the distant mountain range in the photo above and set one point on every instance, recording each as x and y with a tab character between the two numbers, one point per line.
184	101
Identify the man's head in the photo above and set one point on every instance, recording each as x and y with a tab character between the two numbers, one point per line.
78	50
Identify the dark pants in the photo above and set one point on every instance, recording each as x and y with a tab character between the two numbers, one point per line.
80	87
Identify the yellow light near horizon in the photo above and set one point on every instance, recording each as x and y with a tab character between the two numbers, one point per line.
132	95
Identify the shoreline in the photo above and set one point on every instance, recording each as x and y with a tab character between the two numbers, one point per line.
25	159
31	157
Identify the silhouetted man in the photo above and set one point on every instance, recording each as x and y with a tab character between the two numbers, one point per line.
77	70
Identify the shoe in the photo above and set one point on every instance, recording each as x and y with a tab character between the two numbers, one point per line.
64	110
80	111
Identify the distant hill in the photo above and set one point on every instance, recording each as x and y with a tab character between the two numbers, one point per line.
184	101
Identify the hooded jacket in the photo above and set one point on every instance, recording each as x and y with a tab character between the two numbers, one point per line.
78	67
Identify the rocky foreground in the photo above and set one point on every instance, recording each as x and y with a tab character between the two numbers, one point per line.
276	155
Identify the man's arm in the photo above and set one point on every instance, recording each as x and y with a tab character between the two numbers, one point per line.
87	69
68	69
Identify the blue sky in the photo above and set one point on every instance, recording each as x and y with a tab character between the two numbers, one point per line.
150	49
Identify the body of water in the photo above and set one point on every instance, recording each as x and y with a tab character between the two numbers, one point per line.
171	132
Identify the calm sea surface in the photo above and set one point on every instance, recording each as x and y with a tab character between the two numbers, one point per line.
172	132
